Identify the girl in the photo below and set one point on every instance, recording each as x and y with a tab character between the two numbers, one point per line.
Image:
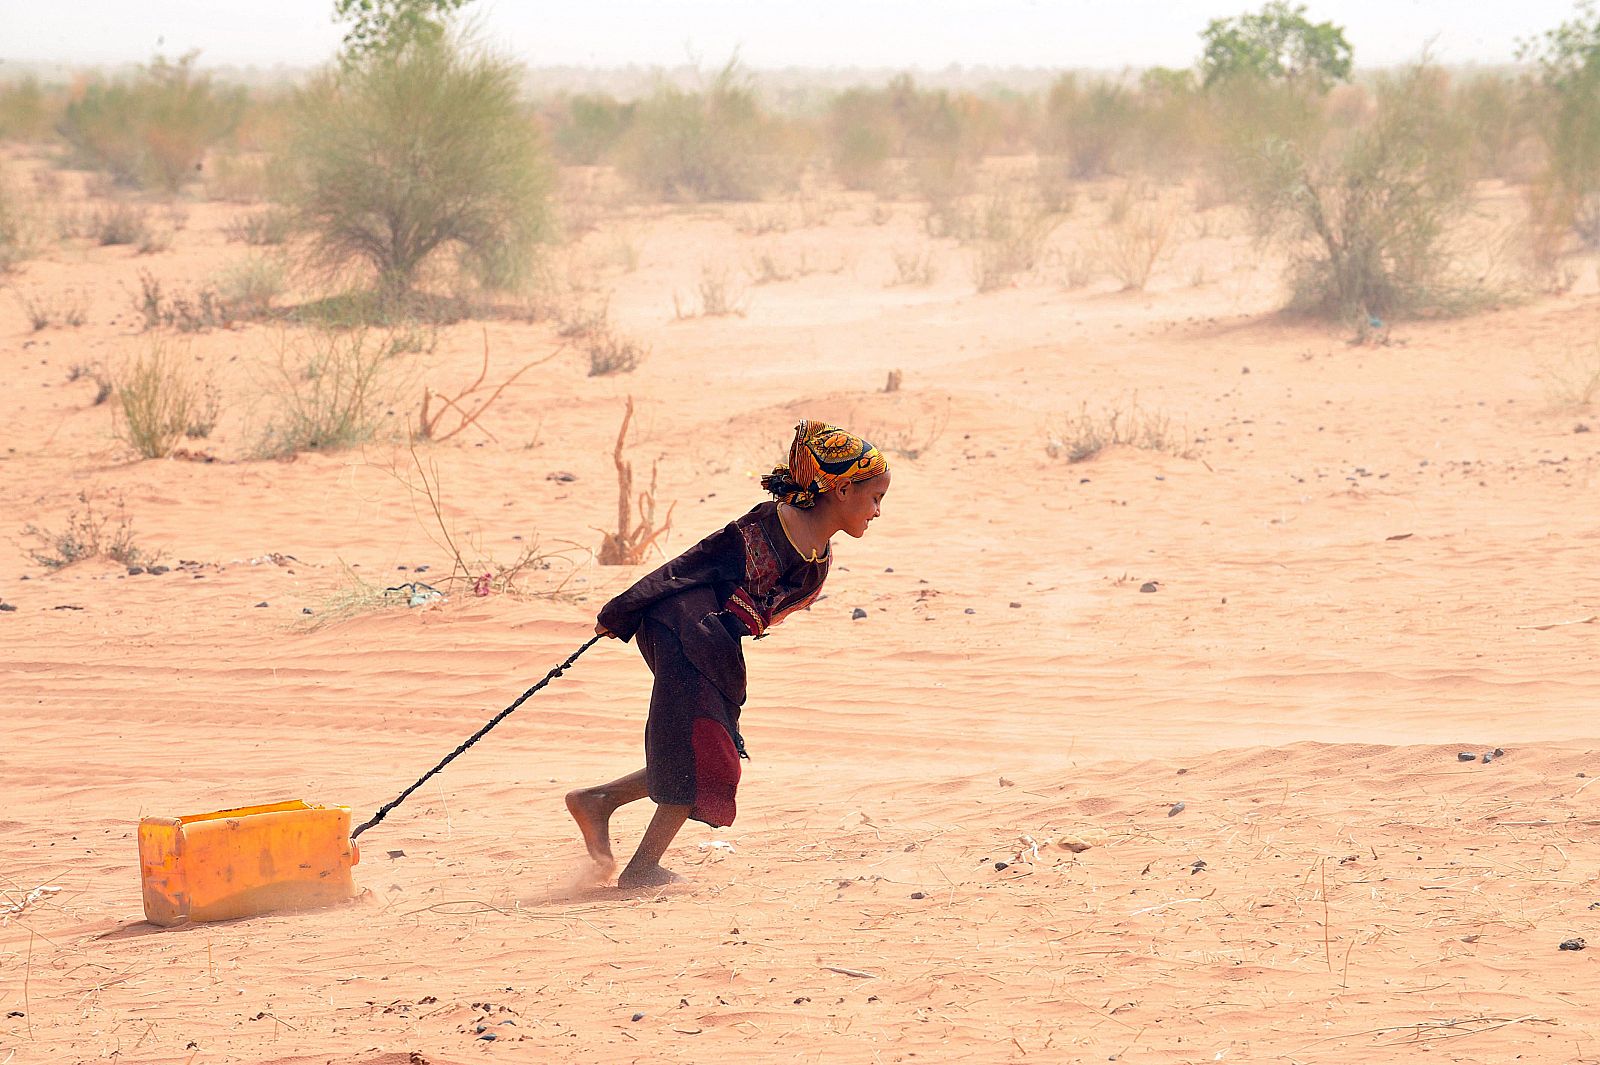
689	617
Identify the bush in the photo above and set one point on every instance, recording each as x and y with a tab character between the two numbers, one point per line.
27	112
118	223
18	226
158	399
589	128
1366	213
862	138
698	146
249	287
1569	67
151	130
1088	127
1013	229
412	155
271	226
332	396
89	534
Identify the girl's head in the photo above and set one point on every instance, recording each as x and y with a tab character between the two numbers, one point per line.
834	468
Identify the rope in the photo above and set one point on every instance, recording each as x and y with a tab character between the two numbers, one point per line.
476	736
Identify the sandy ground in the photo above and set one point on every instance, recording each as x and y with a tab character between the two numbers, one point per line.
1361	562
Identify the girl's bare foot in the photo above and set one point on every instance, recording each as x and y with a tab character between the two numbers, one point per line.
593	814
649	876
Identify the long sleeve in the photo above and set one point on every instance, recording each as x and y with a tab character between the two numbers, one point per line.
716	562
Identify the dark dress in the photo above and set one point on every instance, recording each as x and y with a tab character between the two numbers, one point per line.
689	617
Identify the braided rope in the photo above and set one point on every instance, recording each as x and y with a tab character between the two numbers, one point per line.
476	736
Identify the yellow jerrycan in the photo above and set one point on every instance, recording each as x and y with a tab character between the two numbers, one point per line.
252	860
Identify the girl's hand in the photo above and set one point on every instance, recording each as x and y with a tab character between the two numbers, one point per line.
601	630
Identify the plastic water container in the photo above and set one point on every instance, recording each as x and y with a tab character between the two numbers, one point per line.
238	863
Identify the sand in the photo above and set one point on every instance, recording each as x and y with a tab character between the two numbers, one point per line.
1239	670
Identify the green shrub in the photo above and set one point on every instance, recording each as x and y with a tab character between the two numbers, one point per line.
416	155
270	226
1568	58
589	127
332	391
18	225
249	287
153	129
1366	213
699	146
158	398
27	111
1088	127
862	138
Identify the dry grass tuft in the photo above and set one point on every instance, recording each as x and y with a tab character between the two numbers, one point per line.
89	533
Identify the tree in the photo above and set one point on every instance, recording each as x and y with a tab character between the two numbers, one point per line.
1276	44
1568	58
416	154
385	24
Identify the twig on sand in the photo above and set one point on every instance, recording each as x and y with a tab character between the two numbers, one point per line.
1174	902
851	972
1590	620
1489	1024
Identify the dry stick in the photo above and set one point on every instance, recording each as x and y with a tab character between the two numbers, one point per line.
1327	947
27	978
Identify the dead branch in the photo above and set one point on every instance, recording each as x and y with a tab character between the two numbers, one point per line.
428	421
631	542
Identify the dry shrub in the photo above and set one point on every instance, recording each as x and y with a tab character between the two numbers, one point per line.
1086	434
19	227
118	223
89	534
1129	248
1012	230
1574	383
69	308
610	353
248	288
632	540
266	227
160	398
715	296
709	145
1366	213
915	266
193	312
1087	127
152	129
332	387
417	156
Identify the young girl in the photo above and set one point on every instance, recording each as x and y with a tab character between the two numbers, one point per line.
689	617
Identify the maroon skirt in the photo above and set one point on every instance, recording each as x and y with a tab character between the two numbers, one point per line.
690	752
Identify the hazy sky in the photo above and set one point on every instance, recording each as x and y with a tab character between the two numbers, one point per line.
929	34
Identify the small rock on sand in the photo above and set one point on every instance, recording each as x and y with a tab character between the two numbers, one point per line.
1467	756
1149	586
857	614
1576	943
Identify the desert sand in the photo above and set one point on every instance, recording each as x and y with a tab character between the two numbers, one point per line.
1236	674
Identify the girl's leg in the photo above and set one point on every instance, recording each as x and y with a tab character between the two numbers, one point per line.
645	868
592	809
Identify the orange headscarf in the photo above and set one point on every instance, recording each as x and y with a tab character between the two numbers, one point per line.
821	458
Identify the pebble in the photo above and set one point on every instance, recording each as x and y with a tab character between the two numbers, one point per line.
1488	756
7	608
1148	586
1467	756
1573	944
857	614
159	570
969	610
919	894
638	1016
134	571
261	604
1499	752
1177	808
305	610
562	476
1016	606
1001	865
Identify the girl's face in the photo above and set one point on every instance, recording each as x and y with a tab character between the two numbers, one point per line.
860	502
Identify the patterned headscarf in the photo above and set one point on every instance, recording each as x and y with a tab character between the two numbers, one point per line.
822	458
